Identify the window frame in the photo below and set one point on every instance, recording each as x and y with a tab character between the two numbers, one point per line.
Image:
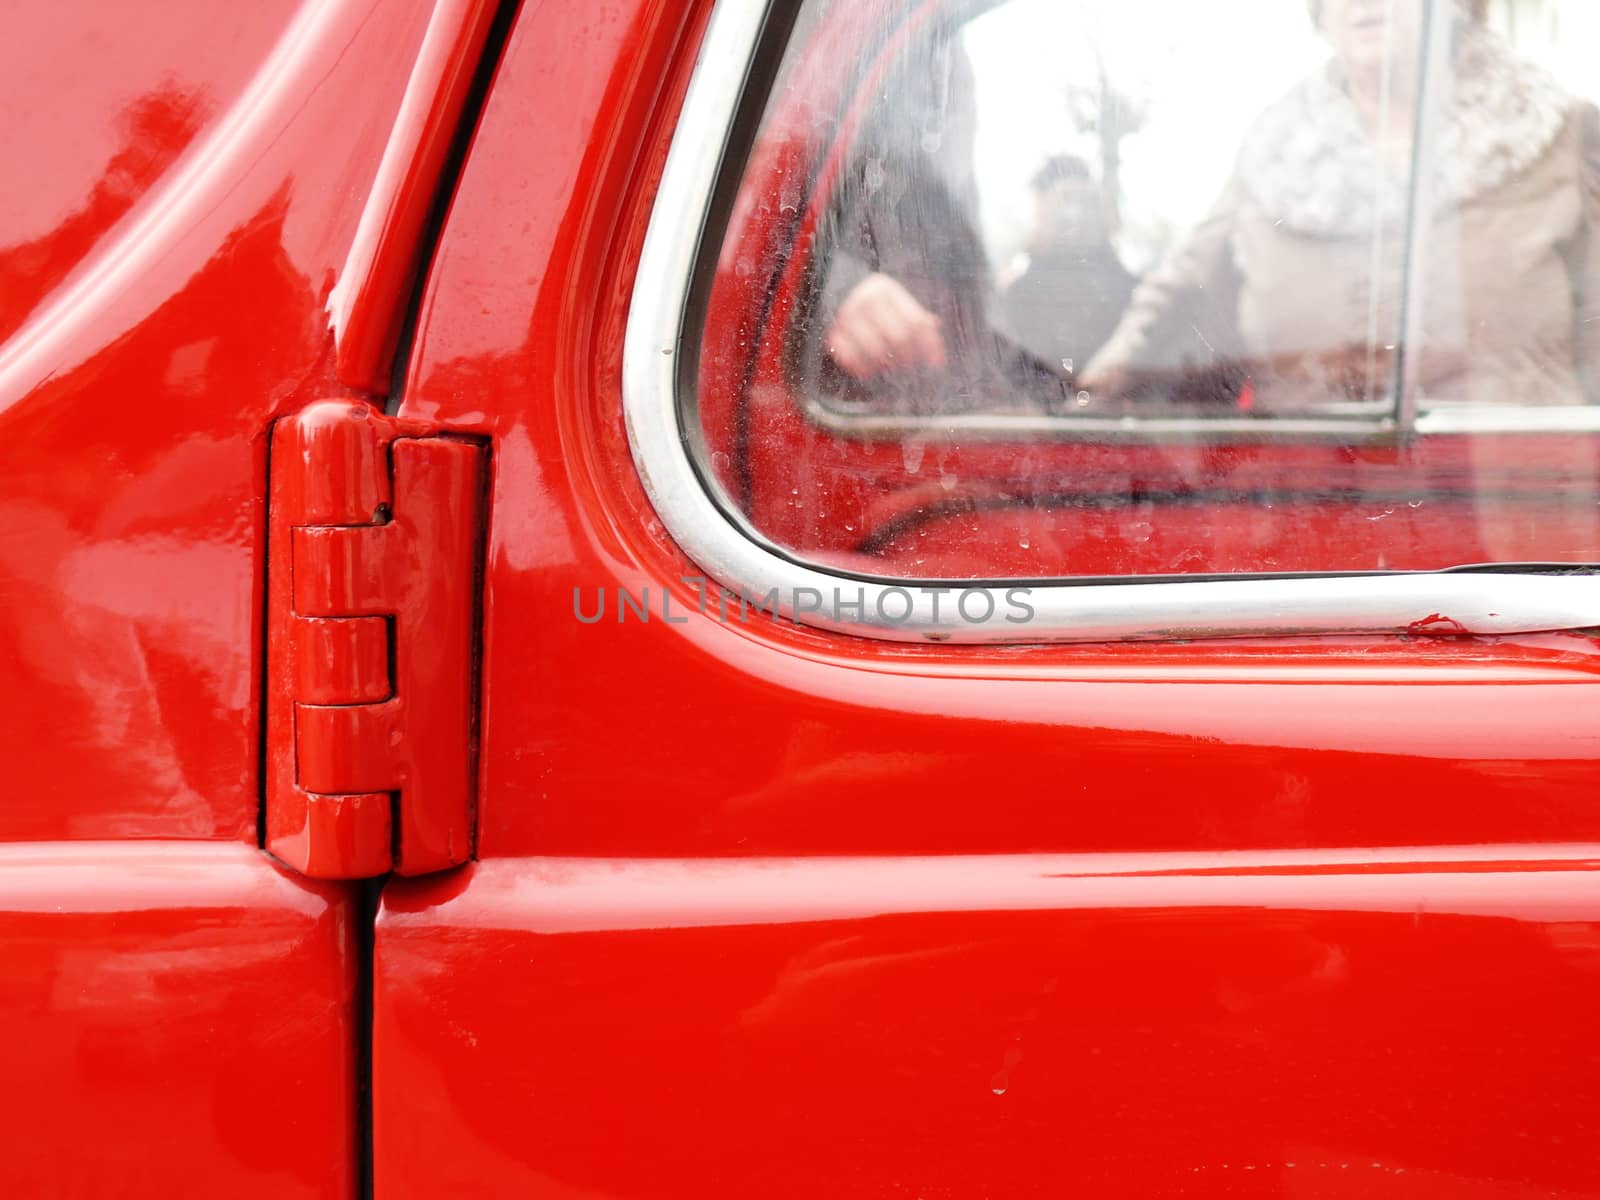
726	95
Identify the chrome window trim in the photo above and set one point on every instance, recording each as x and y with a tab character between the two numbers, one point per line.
1095	430
1137	428
736	557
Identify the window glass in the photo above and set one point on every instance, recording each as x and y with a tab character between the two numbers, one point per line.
1037	288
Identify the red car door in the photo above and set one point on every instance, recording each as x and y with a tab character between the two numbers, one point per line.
796	905
711	858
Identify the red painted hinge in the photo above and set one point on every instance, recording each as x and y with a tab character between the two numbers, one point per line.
373	536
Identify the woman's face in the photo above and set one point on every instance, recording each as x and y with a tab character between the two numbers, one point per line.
1371	35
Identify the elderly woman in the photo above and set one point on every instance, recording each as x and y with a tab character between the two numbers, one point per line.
1300	271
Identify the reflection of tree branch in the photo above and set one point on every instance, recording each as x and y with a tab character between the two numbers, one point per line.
157	127
1111	113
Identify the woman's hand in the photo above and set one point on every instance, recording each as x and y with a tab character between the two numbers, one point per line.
1104	380
880	327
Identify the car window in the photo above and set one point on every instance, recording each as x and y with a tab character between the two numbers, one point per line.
1120	288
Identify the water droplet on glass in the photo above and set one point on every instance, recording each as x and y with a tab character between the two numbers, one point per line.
1066	365
1083	399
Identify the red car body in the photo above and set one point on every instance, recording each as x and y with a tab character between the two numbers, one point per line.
752	908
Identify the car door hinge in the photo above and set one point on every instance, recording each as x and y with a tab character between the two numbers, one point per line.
374	528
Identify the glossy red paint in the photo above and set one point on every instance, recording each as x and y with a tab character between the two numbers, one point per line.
97	105
368	305
371	600
136	392
177	1016
1413	1023
690	999
713	737
176	1019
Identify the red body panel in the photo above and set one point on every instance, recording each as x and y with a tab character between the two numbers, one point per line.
135	400
97	108
190	186
178	1019
759	911
712	1025
1150	1025
367	310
